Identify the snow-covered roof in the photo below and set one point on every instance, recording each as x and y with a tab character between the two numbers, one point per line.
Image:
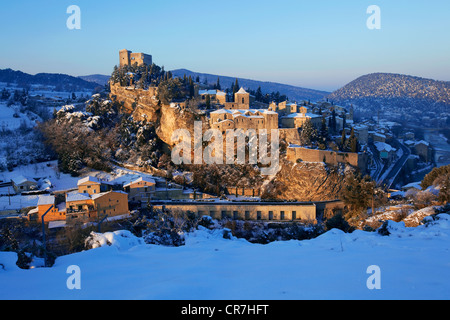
302	115
91	179
61	207
242	91
202	92
22	179
34	210
244	112
382	146
75	196
220	121
46	200
220	111
422	142
379	135
141	179
99	195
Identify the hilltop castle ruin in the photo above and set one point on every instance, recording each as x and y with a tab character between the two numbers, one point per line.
127	57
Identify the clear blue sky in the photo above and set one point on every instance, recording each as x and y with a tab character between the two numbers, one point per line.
319	44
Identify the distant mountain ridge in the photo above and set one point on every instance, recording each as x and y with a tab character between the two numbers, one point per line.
47	79
292	92
394	90
100	79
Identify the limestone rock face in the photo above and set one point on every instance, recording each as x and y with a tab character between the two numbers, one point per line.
306	181
144	105
174	117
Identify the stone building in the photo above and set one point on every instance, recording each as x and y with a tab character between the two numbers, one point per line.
296	153
242	100
127	57
246	210
215	96
21	184
92	200
423	150
245	119
141	189
296	120
45	202
83	206
285	107
93	185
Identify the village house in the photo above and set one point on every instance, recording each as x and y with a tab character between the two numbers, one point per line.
141	189
93	199
215	96
45	202
93	185
23	184
386	151
423	150
297	120
286	107
362	133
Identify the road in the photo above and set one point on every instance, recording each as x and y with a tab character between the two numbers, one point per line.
380	166
394	171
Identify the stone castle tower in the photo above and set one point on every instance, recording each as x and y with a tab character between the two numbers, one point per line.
127	57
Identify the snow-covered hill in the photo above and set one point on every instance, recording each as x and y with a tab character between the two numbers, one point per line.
414	263
292	92
395	92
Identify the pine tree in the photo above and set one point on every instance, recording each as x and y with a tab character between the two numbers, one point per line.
236	87
357	194
191	87
259	95
343	140
353	141
218	87
333	121
323	135
308	133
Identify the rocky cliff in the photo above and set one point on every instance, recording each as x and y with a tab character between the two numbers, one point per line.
306	181
145	105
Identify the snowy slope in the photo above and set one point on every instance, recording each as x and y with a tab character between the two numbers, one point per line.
414	264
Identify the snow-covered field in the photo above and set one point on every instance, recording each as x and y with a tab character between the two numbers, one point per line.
414	263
